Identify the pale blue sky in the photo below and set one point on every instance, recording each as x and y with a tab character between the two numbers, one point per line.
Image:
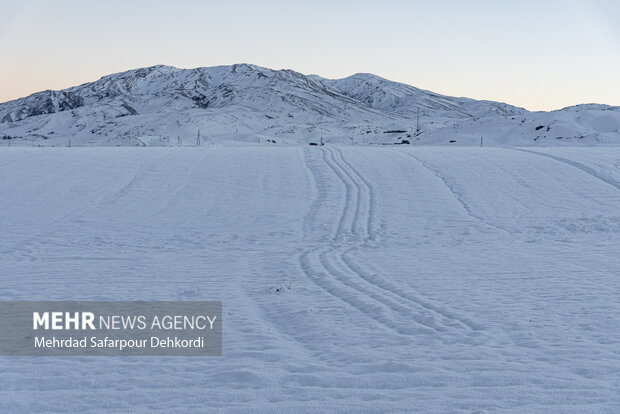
536	54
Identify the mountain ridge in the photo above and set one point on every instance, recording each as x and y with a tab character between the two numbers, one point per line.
249	103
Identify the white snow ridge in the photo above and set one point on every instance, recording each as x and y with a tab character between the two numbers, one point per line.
434	277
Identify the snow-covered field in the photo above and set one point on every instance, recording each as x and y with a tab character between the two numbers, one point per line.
353	279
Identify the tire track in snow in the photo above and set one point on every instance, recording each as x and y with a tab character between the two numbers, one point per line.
455	194
313	262
365	196
319	194
143	169
324	275
607	180
313	218
29	249
448	317
336	265
368	200
338	275
344	230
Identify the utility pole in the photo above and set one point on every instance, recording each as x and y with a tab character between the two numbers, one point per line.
417	126
198	139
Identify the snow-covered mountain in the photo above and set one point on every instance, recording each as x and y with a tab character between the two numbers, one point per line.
163	105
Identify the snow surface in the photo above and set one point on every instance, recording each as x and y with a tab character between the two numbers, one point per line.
353	279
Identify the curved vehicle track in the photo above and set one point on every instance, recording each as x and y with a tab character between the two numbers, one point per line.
331	266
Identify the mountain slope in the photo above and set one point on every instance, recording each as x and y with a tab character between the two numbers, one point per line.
163	105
